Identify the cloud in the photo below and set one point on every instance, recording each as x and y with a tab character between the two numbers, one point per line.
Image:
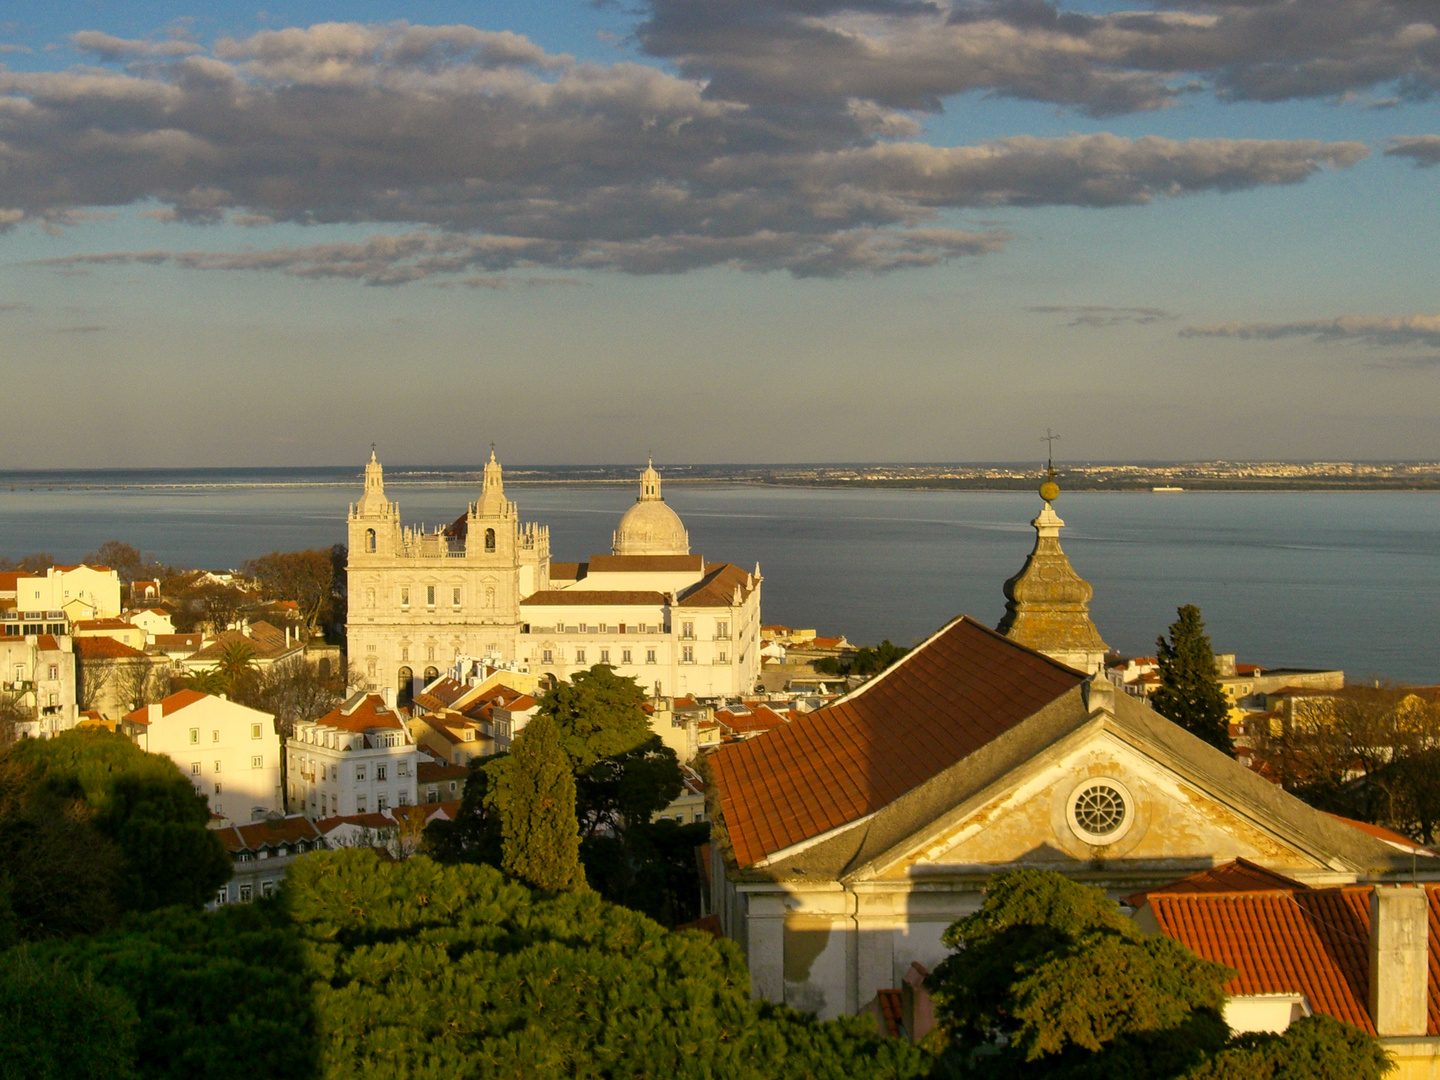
1101	315
912	54
496	151
10	309
7	49
1371	329
1423	150
110	49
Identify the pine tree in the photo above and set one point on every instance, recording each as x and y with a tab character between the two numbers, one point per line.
537	803
1189	692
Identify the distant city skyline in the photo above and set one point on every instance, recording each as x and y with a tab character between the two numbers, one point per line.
742	232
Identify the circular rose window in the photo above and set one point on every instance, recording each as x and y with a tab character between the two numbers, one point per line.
1100	811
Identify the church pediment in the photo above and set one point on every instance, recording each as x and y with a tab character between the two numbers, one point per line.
1097	803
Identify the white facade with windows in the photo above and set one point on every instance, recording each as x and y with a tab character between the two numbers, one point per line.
484	586
357	759
230	753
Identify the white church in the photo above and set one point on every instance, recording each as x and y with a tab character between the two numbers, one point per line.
484	586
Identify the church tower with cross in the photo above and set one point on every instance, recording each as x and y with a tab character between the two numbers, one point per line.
419	597
1047	604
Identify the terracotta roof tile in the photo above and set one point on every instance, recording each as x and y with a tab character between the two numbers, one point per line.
1395	839
1238	875
1314	942
565	571
366	714
168	705
892	1011
717	588
105	648
941	703
47	643
268	834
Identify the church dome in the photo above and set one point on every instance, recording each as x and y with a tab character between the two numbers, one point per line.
650	527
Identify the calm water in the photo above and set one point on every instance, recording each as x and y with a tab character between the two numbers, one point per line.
1305	579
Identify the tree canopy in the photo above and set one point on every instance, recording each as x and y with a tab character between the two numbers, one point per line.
536	797
1050	981
597	714
307	577
140	804
368	969
1189	692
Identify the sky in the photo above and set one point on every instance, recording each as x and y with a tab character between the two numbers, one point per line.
718	231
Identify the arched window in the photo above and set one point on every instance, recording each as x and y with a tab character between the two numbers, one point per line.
489	539
323	668
431	674
406	689
369	539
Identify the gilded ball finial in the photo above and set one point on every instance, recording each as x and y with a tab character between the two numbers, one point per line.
1049	491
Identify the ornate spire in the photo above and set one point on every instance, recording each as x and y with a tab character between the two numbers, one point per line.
492	492
1047	602
373	503
650	484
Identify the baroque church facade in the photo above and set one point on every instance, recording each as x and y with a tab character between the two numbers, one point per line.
484	588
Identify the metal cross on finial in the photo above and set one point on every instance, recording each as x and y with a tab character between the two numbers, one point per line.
1049	440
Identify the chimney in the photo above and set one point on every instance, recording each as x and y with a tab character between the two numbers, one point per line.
1399	959
390	697
1099	694
153	713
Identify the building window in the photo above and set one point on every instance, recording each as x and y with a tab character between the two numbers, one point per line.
54	671
604	656
649	656
257	762
687	631
381	804
369	539
195	768
404	597
405	652
687	654
429	595
215	736
245	893
217	787
722	658
722	630
489	539
222	897
255	731
584	628
379	772
267	888
455	597
547	657
404	798
194	734
359	772
402	768
360	804
217	766
625	656
1100	811
579	656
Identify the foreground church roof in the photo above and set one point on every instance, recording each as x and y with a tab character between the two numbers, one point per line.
942	702
650	527
1047	604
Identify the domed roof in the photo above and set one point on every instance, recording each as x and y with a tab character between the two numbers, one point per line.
650	527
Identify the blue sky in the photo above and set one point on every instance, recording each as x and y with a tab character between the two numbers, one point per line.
721	231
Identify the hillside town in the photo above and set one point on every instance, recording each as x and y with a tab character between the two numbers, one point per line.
833	808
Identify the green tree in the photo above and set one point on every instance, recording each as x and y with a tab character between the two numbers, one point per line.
142	805
597	715
536	797
1189	692
1051	982
57	1025
476	834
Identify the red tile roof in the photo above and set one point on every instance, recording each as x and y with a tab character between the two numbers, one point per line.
717	588
268	834
892	1011
103	624
942	702
1404	843
755	718
1314	942
372	820
47	643
168	705
593	598
178	641
362	715
105	648
433	772
10	579
1238	875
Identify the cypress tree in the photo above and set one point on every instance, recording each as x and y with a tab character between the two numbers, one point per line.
1189	692
541	836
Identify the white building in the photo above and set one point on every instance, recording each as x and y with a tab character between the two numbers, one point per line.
231	753
356	759
262	852
484	586
37	671
82	592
